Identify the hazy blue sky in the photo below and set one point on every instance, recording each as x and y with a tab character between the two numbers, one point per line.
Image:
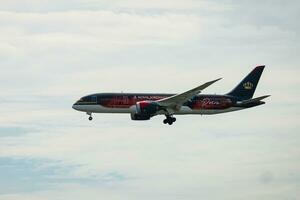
52	52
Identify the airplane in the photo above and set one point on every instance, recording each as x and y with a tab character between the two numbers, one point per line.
144	106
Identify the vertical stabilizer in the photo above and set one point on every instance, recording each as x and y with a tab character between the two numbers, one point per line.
246	88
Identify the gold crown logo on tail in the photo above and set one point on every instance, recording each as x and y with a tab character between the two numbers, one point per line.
248	85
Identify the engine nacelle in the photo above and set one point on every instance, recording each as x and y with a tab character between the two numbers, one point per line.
147	107
144	110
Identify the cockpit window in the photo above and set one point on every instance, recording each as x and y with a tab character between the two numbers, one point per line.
86	99
89	99
93	98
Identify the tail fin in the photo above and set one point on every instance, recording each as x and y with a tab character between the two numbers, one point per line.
246	88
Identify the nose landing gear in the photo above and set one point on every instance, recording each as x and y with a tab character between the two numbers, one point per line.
90	116
169	120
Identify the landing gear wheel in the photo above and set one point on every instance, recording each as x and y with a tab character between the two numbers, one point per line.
90	116
169	120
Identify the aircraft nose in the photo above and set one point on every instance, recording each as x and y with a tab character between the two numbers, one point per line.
75	107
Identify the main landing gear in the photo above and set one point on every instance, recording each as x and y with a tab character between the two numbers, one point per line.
90	116
169	120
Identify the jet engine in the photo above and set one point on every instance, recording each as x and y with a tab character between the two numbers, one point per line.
144	110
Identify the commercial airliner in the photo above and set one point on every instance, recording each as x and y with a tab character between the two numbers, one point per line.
143	106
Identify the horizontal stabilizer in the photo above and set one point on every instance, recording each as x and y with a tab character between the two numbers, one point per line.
258	99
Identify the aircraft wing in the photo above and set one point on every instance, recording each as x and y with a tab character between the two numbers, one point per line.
175	102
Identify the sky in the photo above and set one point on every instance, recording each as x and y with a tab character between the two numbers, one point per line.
52	52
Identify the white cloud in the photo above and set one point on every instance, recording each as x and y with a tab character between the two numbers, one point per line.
136	5
174	5
172	163
34	44
100	28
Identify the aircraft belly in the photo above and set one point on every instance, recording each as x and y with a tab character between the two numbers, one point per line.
183	111
102	109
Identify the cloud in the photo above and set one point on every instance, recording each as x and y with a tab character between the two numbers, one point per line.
33	43
190	5
100	28
145	153
168	5
6	131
